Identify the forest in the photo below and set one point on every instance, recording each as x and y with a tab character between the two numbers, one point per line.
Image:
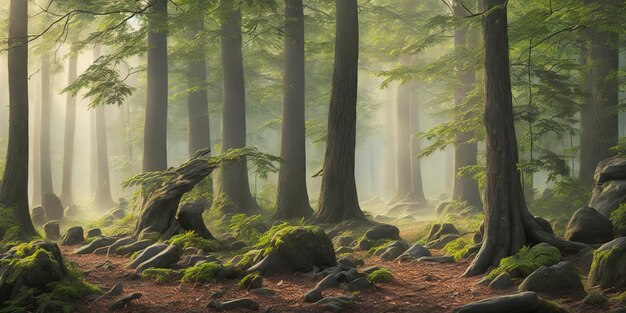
463	156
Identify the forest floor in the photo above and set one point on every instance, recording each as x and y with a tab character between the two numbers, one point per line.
417	287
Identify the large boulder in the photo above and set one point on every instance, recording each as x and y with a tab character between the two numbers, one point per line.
296	249
439	230
52	206
147	254
415	252
610	185
383	231
609	265
95	244
38	216
190	219
52	230
556	279
392	250
72	236
589	226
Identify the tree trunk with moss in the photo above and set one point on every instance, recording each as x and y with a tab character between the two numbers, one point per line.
14	188
508	224
338	197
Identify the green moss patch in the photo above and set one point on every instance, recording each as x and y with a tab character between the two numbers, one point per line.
382	275
251	281
620	298
191	239
458	248
160	275
618	217
550	307
527	261
594	299
201	273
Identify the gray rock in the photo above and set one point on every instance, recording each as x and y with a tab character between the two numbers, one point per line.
133	247
344	241
238	304
190	219
72	236
342	250
589	226
544	224
383	231
116	290
609	267
147	254
556	279
38	216
52	230
364	245
359	284
441	242
370	269
502	281
264	292
436	259
94	232
349	275
337	304
392	250
415	252
164	259
124	301
440	230
315	294
52	206
95	244
349	262
610	185
525	302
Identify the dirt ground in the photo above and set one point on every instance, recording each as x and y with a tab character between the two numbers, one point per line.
417	287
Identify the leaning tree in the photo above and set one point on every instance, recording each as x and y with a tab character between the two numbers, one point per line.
508	223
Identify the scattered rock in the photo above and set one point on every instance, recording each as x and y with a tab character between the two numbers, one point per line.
95	244
116	290
165	258
383	231
238	304
120	242
442	241
436	259
237	245
364	244
38	216
344	241
190	219
556	279
124	301
609	265
525	302
502	281
52	206
52	230
349	262
392	250
251	281
342	250
544	224
359	284
589	226
264	292
147	254
315	294
134	247
610	185
440	230
72	236
349	275
94	232
415	252
336	304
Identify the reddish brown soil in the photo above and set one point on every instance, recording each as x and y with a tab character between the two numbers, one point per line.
418	287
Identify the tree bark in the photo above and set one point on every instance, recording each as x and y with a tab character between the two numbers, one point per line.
599	114
14	187
403	140
36	160
46	105
234	178
508	224
338	197
197	100
465	153
155	127
417	192
293	198
69	136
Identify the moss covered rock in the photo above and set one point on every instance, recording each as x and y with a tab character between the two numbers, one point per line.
589	226
527	260
557	279
610	185
608	268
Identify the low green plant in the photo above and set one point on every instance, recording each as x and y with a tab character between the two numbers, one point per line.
381	275
458	248
567	195
201	273
251	281
620	298
527	261
594	298
160	275
618	217
191	239
245	228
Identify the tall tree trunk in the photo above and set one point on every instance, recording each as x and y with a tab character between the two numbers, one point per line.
465	153
68	140
403	140
93	150
338	197
417	191
599	114
155	127
14	188
102	198
36	132
46	106
508	224
293	198
234	178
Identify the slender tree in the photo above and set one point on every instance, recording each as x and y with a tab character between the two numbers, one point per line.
155	127
599	114
69	135
14	188
46	106
338	197
508	224
404	184
465	153
293	198
417	190
234	178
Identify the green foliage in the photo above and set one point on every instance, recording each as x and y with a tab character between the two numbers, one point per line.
595	299
251	281
546	306
191	239
620	298
468	223
458	248
202	192
274	237
245	228
201	273
250	258
618	217
567	195
110	225
9	229
381	275
527	260
160	275
606	258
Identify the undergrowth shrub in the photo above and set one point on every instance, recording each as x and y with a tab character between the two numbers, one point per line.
458	248
191	239
201	273
381	275
527	261
160	275
618	217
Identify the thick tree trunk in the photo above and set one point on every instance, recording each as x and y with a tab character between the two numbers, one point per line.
465	154
46	106
599	114
338	197
417	193
234	178
36	161
155	127
403	141
68	140
14	188
93	150
293	198
508	224
197	100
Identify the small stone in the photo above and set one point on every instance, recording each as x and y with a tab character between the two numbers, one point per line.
342	250
94	232
124	301
502	281
264	292
436	259
52	230
237	304
337	304
359	284
383	231
72	236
